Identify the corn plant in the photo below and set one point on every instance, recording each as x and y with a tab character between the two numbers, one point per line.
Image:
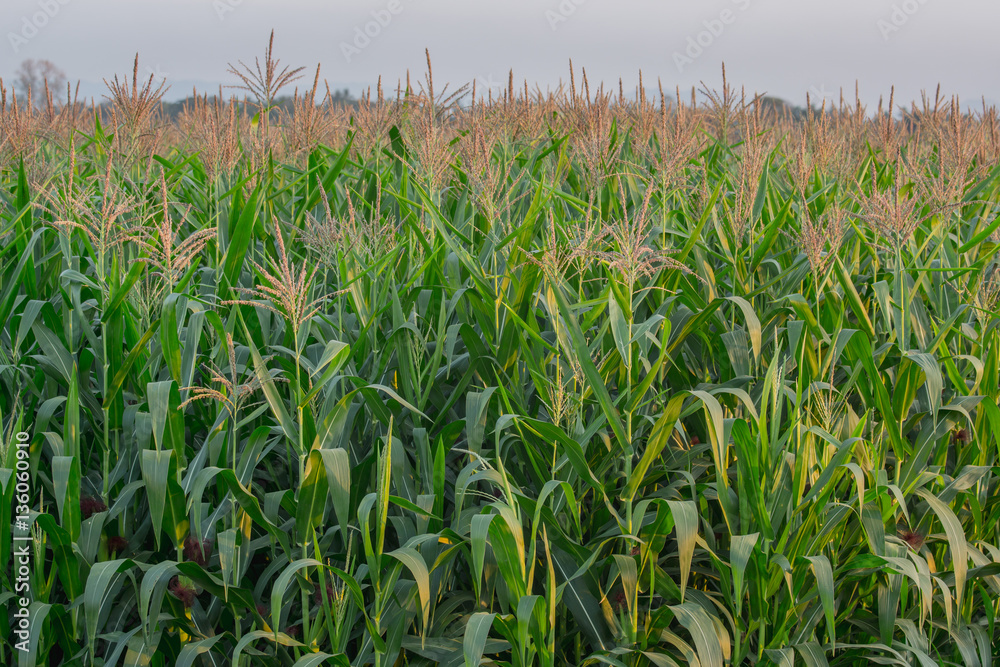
533	380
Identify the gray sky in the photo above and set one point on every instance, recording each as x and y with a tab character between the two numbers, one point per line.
781	47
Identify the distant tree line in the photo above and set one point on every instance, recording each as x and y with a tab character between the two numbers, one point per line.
173	109
33	76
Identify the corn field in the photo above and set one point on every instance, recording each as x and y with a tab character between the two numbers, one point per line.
518	378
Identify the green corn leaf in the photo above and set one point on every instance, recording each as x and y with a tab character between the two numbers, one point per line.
956	540
66	485
281	585
56	354
338	475
582	354
476	632
478	538
824	580
168	419
12	283
685	514
279	638
739	555
95	595
658	439
239	241
151	592
192	650
619	329
699	624
311	497
418	568
274	399
114	389
315	659
167	504
169	338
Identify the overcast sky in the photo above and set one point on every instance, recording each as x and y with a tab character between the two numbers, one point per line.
782	47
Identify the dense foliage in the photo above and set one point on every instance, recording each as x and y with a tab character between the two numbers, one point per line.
536	380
